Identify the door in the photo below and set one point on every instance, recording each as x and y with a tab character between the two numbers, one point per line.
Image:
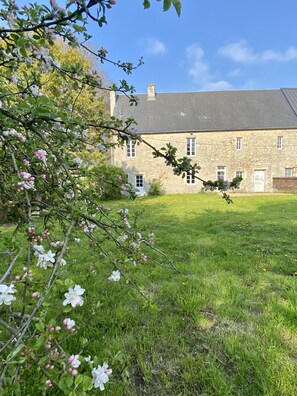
139	184
259	180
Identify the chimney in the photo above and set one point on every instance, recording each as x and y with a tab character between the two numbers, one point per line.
112	102
151	92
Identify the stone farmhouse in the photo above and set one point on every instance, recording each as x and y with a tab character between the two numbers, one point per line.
252	134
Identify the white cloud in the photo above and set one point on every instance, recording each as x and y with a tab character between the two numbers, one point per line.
221	85
241	52
199	70
155	46
235	73
289	55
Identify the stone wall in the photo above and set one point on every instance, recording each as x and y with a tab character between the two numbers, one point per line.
259	152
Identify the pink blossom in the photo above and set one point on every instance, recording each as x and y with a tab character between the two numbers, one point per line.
26	163
69	323
25	175
48	383
74	372
46	233
41	155
20	137
48	345
36	295
74	361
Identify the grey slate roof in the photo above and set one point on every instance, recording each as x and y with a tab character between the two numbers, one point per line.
211	111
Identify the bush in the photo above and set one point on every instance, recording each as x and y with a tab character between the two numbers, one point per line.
107	181
156	188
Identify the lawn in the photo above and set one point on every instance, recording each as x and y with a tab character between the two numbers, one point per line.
215	316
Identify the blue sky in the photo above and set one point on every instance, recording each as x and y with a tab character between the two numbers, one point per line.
214	45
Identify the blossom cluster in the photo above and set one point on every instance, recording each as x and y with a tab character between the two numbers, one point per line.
13	132
6	294
101	376
27	182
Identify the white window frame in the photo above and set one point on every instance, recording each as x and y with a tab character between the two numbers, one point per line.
139	181
131	148
191	147
288	172
221	170
279	143
238	143
239	174
190	179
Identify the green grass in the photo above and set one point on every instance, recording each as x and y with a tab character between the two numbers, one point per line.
224	324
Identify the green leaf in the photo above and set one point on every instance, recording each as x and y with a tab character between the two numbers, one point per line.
166	5
41	341
67	309
39	326
23	52
79	379
87	383
78	28
177	5
66	383
146	4
43	360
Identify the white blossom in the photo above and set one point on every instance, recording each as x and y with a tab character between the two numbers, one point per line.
39	249
46	260
115	276
6	294
88	359
101	376
14	79
73	296
77	161
34	90
69	324
89	227
122	238
63	262
57	244
74	361
123	211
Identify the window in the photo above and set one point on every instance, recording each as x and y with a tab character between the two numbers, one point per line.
288	172
130	148
139	183
221	172
279	142
190	178
191	146
238	143
239	174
